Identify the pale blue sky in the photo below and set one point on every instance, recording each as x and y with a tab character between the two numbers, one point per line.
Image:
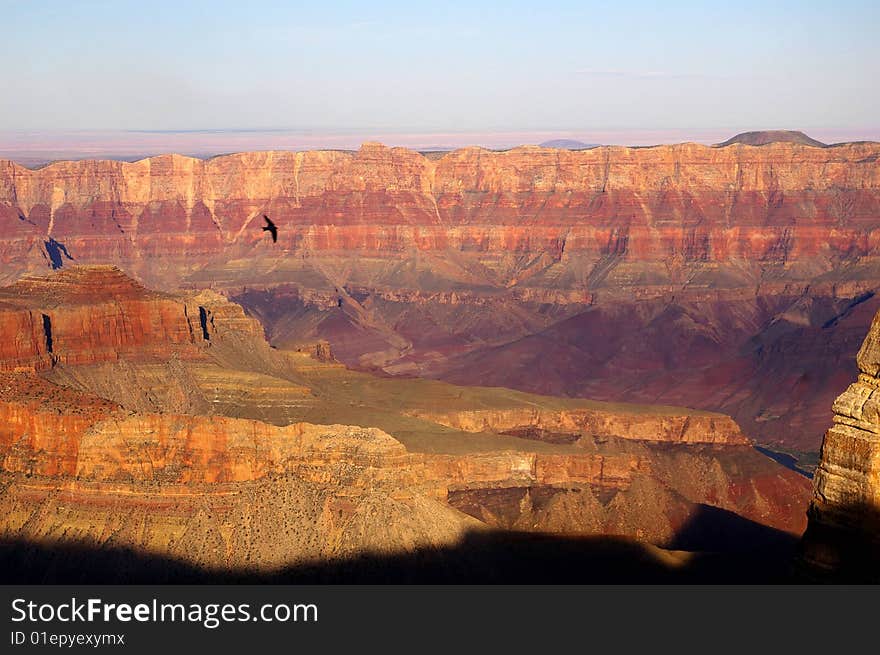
447	66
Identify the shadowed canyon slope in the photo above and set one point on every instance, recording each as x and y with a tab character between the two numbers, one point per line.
170	428
703	276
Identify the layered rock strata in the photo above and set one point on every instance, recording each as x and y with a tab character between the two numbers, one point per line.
661	424
842	541
169	426
478	263
94	314
668	204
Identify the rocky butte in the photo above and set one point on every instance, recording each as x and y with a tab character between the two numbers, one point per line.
150	436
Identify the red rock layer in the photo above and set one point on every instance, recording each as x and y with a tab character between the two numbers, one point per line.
667	204
42	425
480	248
50	430
24	346
92	314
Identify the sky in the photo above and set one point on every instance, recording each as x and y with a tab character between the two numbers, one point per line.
439	71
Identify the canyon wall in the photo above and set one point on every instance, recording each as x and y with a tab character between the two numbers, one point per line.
88	315
667	205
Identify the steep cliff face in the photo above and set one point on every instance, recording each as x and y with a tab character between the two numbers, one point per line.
71	454
92	314
53	431
842	540
671	205
50	430
89	315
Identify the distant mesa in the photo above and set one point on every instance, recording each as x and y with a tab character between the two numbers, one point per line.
763	137
567	144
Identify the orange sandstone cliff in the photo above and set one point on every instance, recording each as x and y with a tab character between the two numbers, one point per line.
672	206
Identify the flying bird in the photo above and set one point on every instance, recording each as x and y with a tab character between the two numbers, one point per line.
270	227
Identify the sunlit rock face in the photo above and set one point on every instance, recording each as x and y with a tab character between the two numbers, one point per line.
842	541
682	274
165	424
672	209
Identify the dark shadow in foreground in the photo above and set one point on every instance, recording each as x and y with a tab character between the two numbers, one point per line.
841	545
763	555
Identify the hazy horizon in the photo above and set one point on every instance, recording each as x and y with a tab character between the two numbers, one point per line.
37	147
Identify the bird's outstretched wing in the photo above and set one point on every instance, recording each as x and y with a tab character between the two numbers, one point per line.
271	228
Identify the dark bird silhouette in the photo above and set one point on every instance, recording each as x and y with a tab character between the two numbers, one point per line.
270	227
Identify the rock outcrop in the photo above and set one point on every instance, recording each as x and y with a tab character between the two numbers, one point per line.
92	314
842	541
89	315
666	425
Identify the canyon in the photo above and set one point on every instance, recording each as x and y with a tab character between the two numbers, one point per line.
708	277
165	425
447	358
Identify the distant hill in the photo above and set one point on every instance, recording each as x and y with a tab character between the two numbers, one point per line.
763	137
567	144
